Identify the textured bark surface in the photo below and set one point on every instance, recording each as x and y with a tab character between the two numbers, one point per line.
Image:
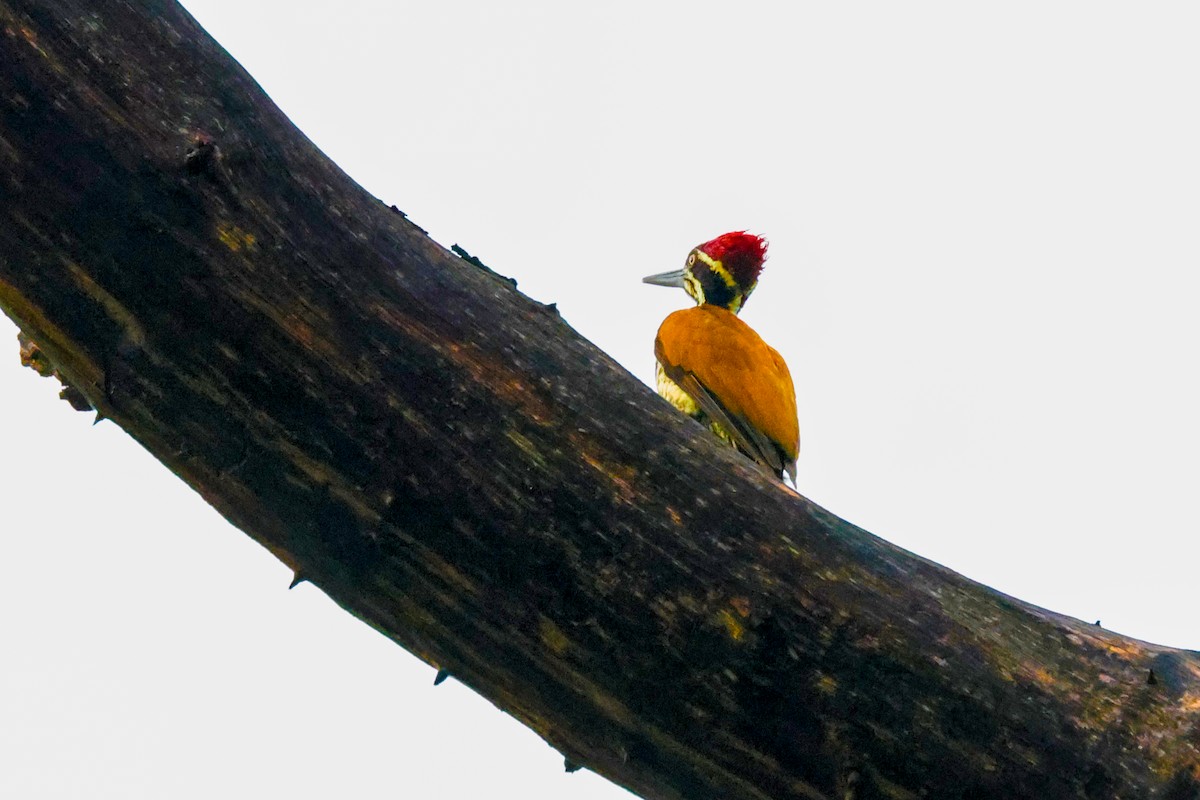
451	463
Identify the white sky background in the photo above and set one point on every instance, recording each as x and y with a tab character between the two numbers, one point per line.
983	274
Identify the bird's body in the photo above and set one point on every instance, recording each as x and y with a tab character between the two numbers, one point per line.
715	368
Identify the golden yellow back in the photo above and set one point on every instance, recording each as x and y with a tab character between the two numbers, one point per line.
709	346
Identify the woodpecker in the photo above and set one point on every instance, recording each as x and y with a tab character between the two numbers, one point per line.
715	368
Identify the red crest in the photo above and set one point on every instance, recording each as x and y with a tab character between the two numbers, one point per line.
739	252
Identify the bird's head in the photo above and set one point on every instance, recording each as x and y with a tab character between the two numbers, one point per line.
721	272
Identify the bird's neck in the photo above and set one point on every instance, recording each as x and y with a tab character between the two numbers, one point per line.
733	304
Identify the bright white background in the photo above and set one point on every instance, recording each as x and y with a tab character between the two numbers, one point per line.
983	272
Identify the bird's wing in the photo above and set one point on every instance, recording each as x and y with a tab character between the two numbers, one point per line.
746	438
789	458
736	379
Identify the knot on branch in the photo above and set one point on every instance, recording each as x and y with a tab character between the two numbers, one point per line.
35	358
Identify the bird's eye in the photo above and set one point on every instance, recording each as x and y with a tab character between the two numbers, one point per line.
691	259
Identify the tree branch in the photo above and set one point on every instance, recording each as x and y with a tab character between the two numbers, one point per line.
451	463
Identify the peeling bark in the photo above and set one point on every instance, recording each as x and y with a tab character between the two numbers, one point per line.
451	463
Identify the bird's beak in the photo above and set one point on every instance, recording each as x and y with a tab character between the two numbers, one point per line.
673	278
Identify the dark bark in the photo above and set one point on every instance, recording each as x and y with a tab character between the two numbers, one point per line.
451	463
